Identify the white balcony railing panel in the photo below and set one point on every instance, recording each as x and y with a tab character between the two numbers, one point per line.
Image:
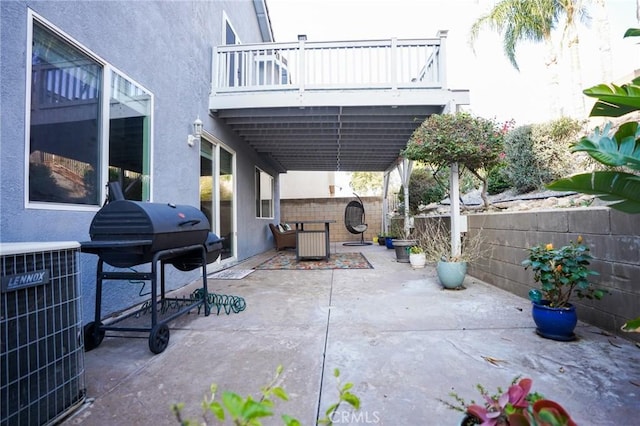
377	64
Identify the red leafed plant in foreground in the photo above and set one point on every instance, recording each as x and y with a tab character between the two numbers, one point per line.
518	406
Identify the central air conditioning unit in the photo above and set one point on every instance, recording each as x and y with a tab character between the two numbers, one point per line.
41	346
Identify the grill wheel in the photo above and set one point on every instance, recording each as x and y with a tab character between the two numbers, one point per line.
93	336
159	338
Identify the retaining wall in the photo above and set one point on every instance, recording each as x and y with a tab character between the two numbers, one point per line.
612	236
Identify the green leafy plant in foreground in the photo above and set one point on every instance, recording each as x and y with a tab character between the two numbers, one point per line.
619	150
344	396
248	411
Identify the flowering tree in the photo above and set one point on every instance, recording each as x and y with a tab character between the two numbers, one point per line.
474	142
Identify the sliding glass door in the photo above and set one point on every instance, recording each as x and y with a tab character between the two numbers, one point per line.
217	193
226	190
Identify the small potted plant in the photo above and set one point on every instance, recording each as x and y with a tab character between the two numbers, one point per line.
561	273
403	247
517	406
401	241
417	258
434	238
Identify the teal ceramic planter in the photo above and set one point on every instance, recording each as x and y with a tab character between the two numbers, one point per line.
451	274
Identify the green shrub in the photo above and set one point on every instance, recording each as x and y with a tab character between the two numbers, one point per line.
497	179
539	153
468	181
433	194
423	189
521	165
552	147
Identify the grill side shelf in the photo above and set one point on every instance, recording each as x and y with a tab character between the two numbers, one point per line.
97	247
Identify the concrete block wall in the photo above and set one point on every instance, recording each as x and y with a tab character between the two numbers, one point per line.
612	236
333	209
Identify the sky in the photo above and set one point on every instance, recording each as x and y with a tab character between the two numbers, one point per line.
497	90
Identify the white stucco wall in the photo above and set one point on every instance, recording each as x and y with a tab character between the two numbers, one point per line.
297	184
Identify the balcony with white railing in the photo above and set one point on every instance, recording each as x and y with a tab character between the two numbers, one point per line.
348	105
290	74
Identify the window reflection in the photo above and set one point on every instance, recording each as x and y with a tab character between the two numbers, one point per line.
67	121
129	114
226	197
64	131
206	181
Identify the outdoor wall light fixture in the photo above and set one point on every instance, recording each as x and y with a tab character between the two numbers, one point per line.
197	132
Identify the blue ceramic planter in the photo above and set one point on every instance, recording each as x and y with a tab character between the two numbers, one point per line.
389	242
554	323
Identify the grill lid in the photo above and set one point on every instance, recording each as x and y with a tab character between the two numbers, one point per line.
126	233
129	220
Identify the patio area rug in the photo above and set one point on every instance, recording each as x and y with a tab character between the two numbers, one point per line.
287	260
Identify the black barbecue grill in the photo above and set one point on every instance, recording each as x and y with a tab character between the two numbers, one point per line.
126	233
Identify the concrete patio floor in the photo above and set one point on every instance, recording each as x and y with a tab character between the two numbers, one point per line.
391	331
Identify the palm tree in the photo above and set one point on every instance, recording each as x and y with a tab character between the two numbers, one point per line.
601	21
573	10
534	20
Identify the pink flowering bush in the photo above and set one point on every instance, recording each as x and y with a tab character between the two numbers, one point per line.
475	143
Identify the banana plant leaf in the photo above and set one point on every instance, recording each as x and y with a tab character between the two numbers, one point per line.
632	326
632	32
623	189
621	149
613	100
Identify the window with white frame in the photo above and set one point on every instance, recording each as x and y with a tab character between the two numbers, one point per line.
129	137
77	142
264	194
